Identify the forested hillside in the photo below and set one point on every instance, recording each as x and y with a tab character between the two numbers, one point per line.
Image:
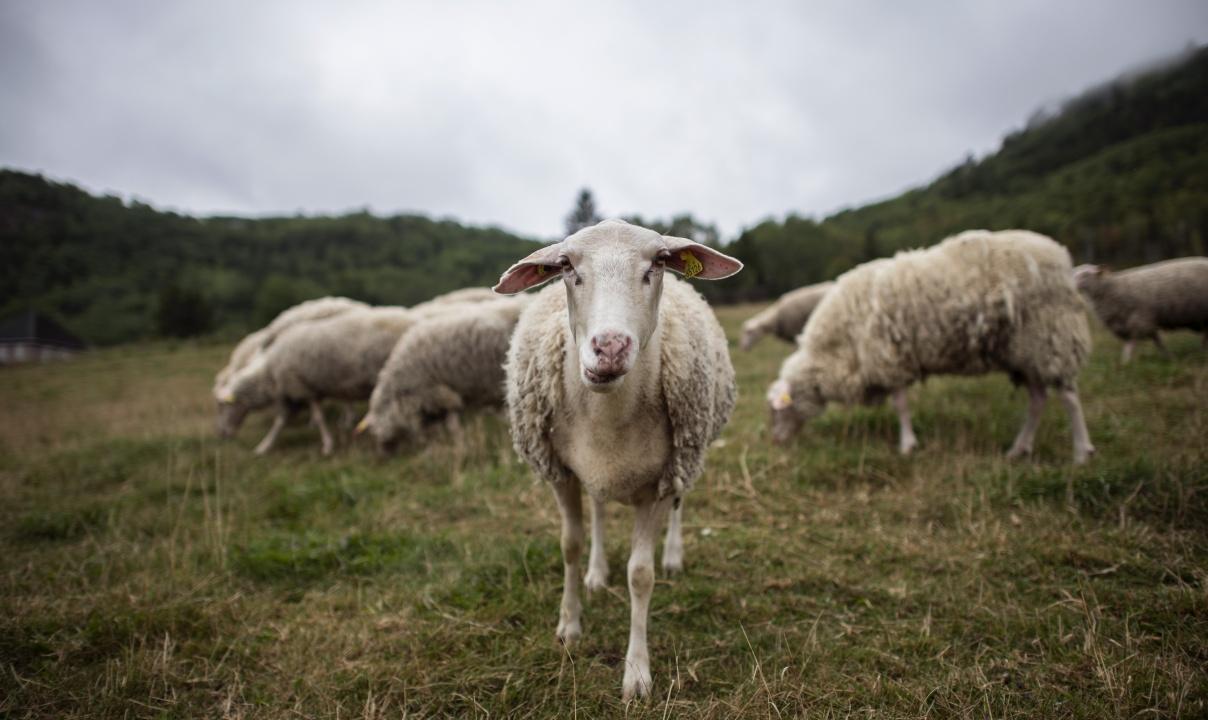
115	272
1118	174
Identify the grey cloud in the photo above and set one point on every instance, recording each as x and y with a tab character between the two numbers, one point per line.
499	112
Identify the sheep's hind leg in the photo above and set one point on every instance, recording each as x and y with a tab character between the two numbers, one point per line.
271	438
1157	341
1083	448
316	416
673	543
570	505
1027	434
906	439
646	518
597	563
1127	353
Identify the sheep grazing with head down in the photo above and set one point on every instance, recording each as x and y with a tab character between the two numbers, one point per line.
247	348
1136	303
976	303
617	381
336	358
786	317
443	365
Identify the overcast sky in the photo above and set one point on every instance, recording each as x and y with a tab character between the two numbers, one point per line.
497	112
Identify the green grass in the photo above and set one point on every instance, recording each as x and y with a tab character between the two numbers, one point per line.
149	570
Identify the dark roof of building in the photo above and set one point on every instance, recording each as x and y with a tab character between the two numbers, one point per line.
32	326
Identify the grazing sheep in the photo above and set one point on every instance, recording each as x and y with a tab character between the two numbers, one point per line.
1136	303
303	312
617	382
978	302
786	317
439	367
338	358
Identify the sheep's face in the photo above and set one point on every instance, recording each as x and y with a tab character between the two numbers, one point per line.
750	335
791	408
613	274
230	416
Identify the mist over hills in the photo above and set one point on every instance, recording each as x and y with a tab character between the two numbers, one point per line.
1119	174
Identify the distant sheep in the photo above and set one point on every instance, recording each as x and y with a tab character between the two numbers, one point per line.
255	342
786	317
1136	303
975	303
442	365
618	379
335	358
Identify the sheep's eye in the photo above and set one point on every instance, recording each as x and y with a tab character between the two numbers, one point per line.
659	262
568	270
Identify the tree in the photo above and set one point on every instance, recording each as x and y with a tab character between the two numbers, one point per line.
584	214
182	312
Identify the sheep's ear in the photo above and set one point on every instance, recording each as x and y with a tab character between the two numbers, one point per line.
1088	271
779	395
536	269
693	260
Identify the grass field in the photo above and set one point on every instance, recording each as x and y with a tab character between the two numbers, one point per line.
149	570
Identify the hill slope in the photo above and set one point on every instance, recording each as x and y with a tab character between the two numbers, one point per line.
1119	175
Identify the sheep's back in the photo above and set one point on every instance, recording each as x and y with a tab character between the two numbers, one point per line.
1173	293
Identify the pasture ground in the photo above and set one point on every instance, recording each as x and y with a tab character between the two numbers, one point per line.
150	570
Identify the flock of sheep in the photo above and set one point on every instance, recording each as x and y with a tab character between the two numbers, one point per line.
617	379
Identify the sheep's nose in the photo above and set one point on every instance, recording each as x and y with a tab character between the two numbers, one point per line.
611	349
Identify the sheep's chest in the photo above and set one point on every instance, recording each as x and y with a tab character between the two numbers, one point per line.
614	454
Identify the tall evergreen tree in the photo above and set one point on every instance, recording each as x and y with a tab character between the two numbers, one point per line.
584	214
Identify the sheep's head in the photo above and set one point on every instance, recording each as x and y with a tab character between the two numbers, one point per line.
613	274
751	333
792	405
230	413
243	392
405	418
1086	276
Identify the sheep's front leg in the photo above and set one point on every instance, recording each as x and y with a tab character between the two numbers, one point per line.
646	518
570	504
1083	448
316	416
1126	354
1027	434
906	439
673	543
278	422
597	564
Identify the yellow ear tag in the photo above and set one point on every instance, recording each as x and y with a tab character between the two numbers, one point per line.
692	266
541	270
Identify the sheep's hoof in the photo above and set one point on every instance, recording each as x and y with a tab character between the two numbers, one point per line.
260	450
907	446
637	682
673	564
569	633
1081	456
596	580
1017	452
